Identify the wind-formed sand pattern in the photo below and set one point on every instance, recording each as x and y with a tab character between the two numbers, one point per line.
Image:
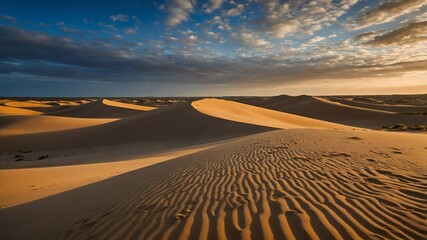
212	169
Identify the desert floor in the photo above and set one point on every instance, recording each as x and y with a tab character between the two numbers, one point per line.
339	167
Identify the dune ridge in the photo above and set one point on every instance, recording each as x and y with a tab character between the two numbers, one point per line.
383	107
27	104
285	184
326	110
97	109
19	125
127	105
5	111
238	112
152	129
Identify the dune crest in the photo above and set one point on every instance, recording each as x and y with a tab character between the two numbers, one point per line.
98	109
127	105
178	125
249	114
27	104
18	125
326	110
5	110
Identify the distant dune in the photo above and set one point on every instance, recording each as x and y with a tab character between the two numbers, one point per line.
4	111
100	109
18	125
317	108
26	104
379	106
127	105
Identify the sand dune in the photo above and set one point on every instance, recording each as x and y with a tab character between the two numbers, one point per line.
2	101
153	130
287	184
28	184
68	103
18	125
334	112
4	111
127	105
27	104
245	113
98	109
384	107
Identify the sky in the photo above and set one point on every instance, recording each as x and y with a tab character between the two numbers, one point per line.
212	48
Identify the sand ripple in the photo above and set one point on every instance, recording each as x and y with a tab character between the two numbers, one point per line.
278	185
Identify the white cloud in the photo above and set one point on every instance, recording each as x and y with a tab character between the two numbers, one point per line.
283	19
222	24
178	11
234	11
281	29
8	18
119	18
249	39
315	40
213	5
131	31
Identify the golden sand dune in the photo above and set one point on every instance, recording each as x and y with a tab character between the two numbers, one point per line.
68	103
28	184
245	113
27	104
334	112
384	107
177	125
16	125
365	109
3	101
285	184
98	109
127	105
5	111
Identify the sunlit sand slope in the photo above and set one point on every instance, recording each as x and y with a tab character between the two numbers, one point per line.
172	126
127	105
335	112
287	184
379	106
6	111
98	109
16	125
245	113
27	104
23	185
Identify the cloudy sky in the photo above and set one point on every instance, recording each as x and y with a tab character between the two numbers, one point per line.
212	47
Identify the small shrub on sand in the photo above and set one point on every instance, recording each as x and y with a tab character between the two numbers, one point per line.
418	128
43	157
403	127
400	127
